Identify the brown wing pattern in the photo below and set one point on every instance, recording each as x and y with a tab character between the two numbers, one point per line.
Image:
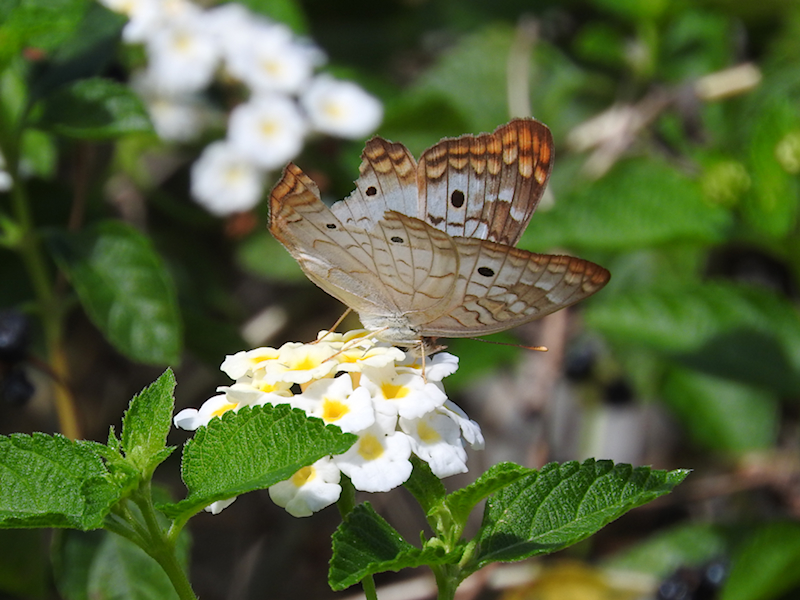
486	186
426	250
402	266
500	287
387	181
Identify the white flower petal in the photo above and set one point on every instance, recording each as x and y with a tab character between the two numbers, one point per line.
224	181
377	462
335	402
269	130
309	490
217	507
341	108
469	428
436	439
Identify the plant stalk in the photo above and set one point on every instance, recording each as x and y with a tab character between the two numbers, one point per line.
49	307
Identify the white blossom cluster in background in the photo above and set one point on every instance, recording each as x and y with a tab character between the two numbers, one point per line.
375	391
5	176
188	47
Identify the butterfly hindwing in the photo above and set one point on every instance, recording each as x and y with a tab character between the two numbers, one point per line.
387	181
486	186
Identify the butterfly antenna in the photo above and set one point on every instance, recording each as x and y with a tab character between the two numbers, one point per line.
335	325
535	348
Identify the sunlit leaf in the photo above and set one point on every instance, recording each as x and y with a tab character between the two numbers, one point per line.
124	287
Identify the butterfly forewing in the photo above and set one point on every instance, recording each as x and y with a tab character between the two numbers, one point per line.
400	267
387	181
486	186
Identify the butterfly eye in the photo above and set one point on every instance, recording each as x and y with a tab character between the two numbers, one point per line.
486	271
330	225
397	240
457	198
371	191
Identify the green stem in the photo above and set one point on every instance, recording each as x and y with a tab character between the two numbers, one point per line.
368	584
447	580
30	248
347	499
159	546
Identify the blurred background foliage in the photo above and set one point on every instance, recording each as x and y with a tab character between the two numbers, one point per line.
677	135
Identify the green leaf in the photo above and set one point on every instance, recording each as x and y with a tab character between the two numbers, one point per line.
461	502
288	12
662	554
263	255
639	203
85	564
39	154
772	206
766	566
634	10
252	449
85	53
465	91
121	569
477	62
695	43
125	289
601	43
365	544
721	414
41	24
50	481
705	326
72	554
560	505
94	109
426	488
147	422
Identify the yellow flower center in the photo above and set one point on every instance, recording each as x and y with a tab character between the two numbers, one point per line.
304	364
258	358
233	174
369	448
394	392
350	357
333	410
269	128
427	433
273	67
182	42
303	476
333	110
223	409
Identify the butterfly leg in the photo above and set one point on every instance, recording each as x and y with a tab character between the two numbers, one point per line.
335	325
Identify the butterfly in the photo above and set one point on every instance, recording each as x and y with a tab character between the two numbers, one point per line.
423	250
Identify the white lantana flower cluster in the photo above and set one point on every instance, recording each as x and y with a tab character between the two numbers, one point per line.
367	388
188	46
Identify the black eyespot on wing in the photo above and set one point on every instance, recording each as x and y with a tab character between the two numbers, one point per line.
330	225
486	271
371	190
457	198
397	239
